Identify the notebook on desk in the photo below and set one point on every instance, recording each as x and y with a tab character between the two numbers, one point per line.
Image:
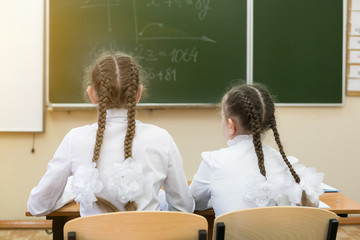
328	188
323	205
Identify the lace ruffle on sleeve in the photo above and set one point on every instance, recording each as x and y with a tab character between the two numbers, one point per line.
310	182
126	182
280	190
86	184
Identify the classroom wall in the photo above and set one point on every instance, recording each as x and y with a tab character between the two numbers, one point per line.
323	137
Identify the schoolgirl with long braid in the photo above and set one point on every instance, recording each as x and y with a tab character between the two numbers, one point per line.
118	163
249	173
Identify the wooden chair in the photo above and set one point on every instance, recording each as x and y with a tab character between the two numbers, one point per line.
137	225
277	223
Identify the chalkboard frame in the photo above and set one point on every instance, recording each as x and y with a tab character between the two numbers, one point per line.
249	72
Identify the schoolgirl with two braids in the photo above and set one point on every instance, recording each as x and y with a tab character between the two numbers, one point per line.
118	163
115	91
250	173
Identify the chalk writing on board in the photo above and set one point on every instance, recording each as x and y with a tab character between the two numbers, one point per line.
202	38
176	55
168	74
141	33
143	49
202	5
148	26
181	44
99	3
187	55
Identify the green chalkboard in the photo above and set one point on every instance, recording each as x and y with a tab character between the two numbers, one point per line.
191	49
298	49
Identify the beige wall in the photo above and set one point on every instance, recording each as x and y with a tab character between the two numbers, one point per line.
323	137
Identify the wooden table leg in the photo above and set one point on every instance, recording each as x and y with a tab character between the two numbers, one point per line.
210	220
58	223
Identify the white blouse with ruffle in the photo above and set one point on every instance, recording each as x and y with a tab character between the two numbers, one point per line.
156	163
231	178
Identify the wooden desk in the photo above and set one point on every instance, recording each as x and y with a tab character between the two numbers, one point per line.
342	205
60	217
338	202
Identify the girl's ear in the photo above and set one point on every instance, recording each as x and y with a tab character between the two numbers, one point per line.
92	94
138	95
232	128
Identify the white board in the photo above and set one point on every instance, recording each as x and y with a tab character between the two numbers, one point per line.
21	65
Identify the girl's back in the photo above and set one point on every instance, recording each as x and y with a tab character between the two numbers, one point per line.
250	173
117	163
154	150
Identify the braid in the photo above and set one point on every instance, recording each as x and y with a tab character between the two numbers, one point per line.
103	99
116	81
305	201
130	132
281	149
255	125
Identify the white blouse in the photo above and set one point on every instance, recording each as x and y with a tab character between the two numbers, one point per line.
154	150
231	178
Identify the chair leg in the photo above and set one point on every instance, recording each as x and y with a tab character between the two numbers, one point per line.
71	235
202	235
220	231
332	231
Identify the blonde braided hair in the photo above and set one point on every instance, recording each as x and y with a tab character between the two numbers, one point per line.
133	89
116	81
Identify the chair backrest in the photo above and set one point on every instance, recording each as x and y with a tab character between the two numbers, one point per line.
137	225
277	223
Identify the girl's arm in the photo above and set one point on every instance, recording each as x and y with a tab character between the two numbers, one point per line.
44	196
176	187
200	185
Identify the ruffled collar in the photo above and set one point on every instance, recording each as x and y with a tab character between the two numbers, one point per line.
116	113
238	139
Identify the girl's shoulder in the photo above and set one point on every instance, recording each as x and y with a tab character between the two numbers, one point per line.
150	131
217	156
151	127
84	128
82	131
236	148
271	152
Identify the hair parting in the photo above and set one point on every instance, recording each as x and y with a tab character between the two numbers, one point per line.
262	103
117	71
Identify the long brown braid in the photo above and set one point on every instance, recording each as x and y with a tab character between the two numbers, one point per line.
255	124
115	79
305	201
130	132
103	99
281	149
254	108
